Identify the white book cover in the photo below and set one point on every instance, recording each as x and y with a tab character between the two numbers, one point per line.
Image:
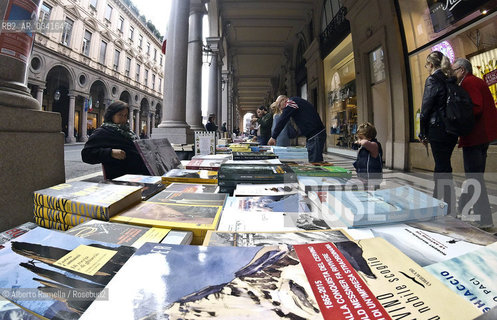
266	189
364	208
139	178
277	203
265	161
212	157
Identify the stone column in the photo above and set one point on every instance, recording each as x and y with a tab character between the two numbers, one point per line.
214	43
70	119
83	124
173	125
148	125
137	123
39	95
194	70
131	113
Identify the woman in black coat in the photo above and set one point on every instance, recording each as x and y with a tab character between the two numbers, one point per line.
112	144
432	128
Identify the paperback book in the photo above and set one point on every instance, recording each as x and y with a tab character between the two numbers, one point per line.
266	189
94	200
158	155
56	275
310	183
148	189
181	197
118	233
253	155
190	176
49	224
271	173
322	171
363	208
192	187
471	276
15	232
59	216
280	203
204	164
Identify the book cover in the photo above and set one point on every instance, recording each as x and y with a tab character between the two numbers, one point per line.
181	197
310	183
15	232
277	149
204	164
94	200
11	311
190	176
274	173
139	178
220	157
158	155
272	282
249	162
178	237
49	224
70	219
148	189
56	275
266	189
118	233
253	155
205	142
471	276
362	208
424	247
195	218
192	187
322	171
280	203
252	239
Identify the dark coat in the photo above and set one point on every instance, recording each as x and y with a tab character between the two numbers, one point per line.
210	126
368	167
98	150
432	108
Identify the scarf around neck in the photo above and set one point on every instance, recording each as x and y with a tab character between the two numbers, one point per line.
122	129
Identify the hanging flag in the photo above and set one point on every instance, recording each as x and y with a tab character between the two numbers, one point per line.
86	104
90	105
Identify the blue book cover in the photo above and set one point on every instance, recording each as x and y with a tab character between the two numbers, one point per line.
56	275
362	208
472	275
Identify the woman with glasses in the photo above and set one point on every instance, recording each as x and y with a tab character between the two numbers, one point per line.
113	145
432	129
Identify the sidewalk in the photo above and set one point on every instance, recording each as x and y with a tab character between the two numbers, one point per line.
420	180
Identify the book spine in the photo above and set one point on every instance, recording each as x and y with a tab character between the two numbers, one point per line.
49	224
59	216
60	204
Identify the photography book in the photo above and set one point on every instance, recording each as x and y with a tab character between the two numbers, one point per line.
158	155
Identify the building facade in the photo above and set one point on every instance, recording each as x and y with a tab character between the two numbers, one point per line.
105	52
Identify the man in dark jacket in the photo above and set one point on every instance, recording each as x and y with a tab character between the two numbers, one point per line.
211	123
475	144
307	120
265	121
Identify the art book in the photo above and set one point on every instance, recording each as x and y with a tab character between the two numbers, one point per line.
202	164
184	217
180	197
472	276
148	189
363	208
280	203
271	173
266	189
253	155
252	239
139	178
310	183
15	232
59	216
56	275
158	155
250	162
94	200
118	233
49	224
192	187
272	282
190	176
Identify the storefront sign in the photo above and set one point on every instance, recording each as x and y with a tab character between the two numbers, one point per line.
446	12
491	77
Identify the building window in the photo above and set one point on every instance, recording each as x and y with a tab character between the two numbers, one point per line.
330	10
117	54
140	41
137	78
86	43
131	33
160	85
146	78
103	51
45	15
155	55
66	33
148	48
153	81
120	24
161	60
108	13
128	66
93	4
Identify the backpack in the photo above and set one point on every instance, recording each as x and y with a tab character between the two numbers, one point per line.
458	115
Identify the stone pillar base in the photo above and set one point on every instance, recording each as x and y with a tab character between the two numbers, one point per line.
179	135
197	128
38	164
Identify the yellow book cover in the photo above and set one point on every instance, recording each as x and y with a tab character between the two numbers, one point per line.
195	218
49	224
59	216
190	176
403	288
252	239
95	200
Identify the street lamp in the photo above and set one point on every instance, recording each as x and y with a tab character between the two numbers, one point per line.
207	54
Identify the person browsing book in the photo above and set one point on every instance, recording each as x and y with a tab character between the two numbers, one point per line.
369	162
307	120
113	146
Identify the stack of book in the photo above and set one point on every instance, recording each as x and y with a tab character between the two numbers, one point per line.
210	162
183	211
250	155
150	184
190	176
69	204
291	153
192	187
232	174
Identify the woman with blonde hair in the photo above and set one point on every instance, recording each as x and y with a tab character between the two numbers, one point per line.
283	139
432	128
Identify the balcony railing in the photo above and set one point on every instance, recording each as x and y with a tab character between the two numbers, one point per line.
335	32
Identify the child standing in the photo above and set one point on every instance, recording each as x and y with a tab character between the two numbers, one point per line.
369	163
